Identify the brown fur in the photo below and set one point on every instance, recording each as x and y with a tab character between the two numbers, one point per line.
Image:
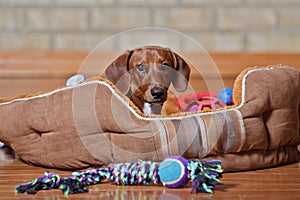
143	71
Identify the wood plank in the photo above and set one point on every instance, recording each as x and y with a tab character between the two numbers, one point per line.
62	64
31	72
13	87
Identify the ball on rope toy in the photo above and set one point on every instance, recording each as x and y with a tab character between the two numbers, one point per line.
173	172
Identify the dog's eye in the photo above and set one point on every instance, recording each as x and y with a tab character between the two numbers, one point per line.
141	69
164	66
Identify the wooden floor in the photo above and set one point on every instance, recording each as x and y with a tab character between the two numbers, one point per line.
274	183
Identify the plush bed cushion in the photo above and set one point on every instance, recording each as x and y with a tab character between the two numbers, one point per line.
93	123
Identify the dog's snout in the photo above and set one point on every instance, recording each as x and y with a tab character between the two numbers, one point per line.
157	92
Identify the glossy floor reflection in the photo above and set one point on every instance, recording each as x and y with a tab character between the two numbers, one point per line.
274	183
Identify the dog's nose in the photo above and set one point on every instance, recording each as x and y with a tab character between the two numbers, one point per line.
157	92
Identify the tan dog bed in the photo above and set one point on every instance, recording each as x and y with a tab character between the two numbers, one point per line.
92	123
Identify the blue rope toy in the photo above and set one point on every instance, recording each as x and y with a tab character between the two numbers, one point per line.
173	172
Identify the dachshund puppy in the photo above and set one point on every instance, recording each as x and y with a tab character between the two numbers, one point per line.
145	74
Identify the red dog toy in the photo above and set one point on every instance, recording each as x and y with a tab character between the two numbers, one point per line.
201	100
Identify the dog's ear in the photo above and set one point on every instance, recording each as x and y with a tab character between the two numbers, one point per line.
181	74
117	72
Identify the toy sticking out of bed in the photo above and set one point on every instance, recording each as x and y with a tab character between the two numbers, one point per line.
205	100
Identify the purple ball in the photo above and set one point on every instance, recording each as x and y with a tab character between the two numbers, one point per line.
173	172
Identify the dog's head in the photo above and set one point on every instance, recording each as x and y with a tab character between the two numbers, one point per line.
145	74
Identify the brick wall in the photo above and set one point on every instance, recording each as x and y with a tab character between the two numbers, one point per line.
223	26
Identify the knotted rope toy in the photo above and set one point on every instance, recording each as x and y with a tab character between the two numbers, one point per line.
173	172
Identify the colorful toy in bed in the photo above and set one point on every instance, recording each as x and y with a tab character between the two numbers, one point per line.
202	100
94	124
